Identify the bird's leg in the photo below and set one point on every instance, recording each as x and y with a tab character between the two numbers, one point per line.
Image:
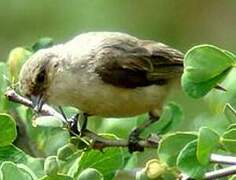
135	133
76	123
73	121
82	122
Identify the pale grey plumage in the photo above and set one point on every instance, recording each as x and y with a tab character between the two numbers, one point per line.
104	73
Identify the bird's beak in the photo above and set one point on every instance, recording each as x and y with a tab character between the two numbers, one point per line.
38	102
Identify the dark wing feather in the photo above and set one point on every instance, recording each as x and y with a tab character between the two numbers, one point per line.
137	65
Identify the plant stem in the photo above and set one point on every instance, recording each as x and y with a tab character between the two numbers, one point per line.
221	173
223	159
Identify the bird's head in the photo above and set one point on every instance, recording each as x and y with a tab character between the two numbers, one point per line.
36	75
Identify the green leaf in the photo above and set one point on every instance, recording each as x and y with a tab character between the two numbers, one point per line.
233	177
232	126
119	127
205	67
188	163
228	139
57	177
217	99
7	130
48	121
208	140
17	57
106	162
230	54
230	113
79	142
11	171
229	145
170	118
66	151
90	173
200	89
42	43
70	165
46	140
51	165
14	154
205	62
172	144
3	76
4	79
49	139
230	134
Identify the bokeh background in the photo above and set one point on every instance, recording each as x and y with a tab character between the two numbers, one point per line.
181	23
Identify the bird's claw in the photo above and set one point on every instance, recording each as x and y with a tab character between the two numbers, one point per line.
73	124
133	141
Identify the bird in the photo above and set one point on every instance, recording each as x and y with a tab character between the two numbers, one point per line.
105	74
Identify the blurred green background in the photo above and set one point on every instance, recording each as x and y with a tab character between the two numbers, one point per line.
181	24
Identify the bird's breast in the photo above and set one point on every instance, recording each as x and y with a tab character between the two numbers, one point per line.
90	94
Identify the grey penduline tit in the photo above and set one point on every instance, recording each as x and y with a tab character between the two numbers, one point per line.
105	74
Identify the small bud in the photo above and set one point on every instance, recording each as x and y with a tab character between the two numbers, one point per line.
155	169
51	165
66	151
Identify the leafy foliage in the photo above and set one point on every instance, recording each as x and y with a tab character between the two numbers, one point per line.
7	130
49	151
205	67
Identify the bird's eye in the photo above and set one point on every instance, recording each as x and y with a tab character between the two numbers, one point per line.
41	77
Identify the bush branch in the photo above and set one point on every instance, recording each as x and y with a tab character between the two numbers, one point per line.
221	173
223	159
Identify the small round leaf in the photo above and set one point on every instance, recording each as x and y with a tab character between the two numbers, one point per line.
200	89
187	161
7	129
205	62
48	121
51	165
90	173
172	144
208	140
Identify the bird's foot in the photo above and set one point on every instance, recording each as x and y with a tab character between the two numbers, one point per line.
134	136
78	123
133	141
73	125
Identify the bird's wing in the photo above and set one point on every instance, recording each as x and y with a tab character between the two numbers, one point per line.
140	64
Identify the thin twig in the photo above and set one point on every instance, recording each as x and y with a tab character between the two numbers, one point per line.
46	109
221	173
223	159
219	159
98	142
